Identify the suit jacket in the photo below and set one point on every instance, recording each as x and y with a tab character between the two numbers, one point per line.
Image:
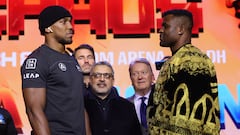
150	101
112	116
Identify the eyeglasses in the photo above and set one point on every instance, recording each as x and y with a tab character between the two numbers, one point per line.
100	75
137	74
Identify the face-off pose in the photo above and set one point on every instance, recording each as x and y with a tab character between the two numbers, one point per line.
52	80
185	100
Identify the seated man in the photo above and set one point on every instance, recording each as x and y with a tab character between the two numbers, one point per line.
108	112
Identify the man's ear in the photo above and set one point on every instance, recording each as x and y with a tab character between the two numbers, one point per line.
180	29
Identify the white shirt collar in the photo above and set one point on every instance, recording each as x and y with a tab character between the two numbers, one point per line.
137	96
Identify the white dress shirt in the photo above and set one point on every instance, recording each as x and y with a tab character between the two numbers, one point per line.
137	103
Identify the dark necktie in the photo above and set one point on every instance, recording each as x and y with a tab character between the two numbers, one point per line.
143	109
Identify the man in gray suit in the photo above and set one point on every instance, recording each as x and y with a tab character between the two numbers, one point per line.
142	79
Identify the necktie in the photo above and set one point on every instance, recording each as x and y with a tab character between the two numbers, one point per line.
143	109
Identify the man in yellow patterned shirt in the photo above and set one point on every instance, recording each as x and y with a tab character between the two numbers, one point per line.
185	100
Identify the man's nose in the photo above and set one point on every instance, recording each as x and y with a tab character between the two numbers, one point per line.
102	78
86	59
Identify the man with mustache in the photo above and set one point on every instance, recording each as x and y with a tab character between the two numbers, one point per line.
52	80
109	114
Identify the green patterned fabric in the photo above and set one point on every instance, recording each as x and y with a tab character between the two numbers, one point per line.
185	100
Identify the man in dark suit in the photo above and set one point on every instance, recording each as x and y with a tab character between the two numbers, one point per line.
142	78
109	114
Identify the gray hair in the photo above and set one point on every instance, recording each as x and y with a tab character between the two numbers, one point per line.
139	60
103	63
